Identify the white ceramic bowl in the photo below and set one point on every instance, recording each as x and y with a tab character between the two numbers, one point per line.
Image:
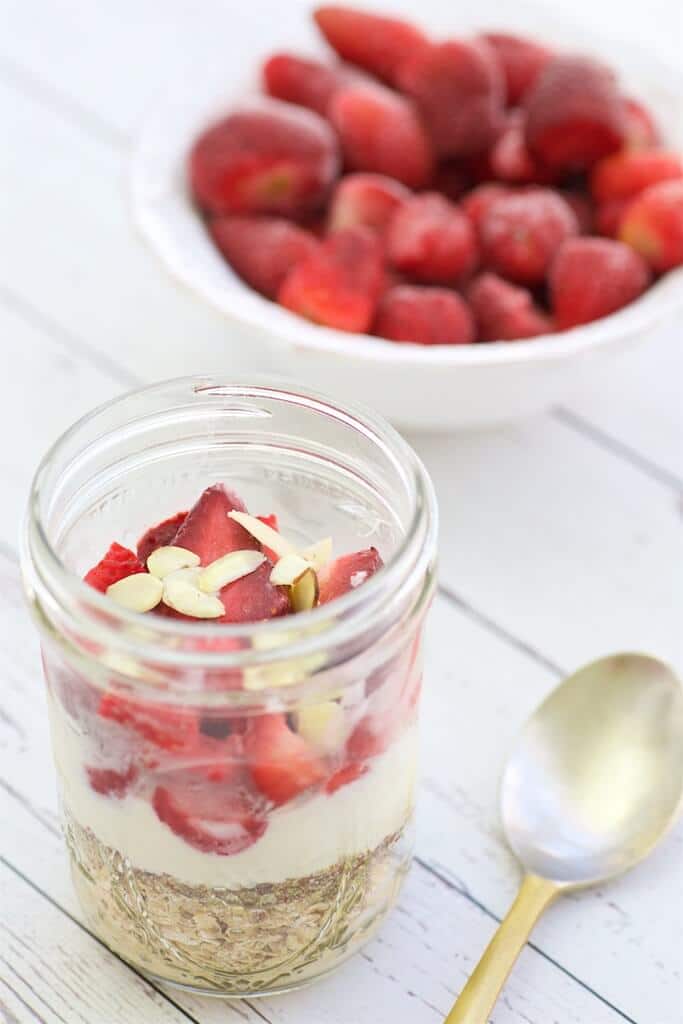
415	386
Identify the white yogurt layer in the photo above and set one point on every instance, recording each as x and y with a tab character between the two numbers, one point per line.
302	838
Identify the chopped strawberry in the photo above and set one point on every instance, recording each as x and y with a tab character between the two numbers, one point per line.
592	277
459	88
340	285
428	316
109	782
511	159
159	536
630	172
378	44
505	312
608	216
381	131
582	207
270	157
254	598
652	224
207	529
478	202
215	816
281	763
170	728
371	737
365	200
343	776
309	83
575	114
522	60
118	563
262	250
520	233
271	521
346	573
432	240
641	128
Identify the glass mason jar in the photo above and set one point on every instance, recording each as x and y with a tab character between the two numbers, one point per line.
178	866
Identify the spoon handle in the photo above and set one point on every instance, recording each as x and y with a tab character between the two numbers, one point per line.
479	995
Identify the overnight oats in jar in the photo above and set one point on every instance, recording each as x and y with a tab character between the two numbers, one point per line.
230	583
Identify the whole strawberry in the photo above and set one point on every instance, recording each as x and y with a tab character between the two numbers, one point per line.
428	316
504	311
309	83
593	277
653	225
479	201
365	200
626	174
432	240
522	60
262	250
520	233
371	41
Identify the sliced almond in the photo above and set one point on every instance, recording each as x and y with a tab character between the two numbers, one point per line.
318	554
190	575
322	725
186	598
229	568
304	592
264	534
288	570
169	559
138	593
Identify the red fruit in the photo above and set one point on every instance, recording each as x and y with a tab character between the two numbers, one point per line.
371	737
521	60
262	250
520	233
641	128
608	216
380	131
347	573
428	316
305	82
281	763
626	174
254	598
167	727
223	817
342	777
575	114
582	207
653	225
592	277
340	285
270	157
432	240
109	782
159	536
365	200
118	563
510	158
505	312
378	44
479	201
459	88
209	532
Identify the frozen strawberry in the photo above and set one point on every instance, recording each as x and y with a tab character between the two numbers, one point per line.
341	284
583	209
432	240
504	311
209	532
159	536
370	738
641	128
574	114
309	83
510	158
118	563
268	157
346	573
652	224
378	44
281	763
262	250
215	816
254	598
627	173
478	202
343	776
109	782
450	179
521	59
167	727
520	234
459	88
271	521
365	200
592	277
429	316
608	216
381	131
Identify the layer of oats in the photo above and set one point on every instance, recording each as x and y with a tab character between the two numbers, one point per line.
235	941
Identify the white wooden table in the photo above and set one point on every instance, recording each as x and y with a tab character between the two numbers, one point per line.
561	542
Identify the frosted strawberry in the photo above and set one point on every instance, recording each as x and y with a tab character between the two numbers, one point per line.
262	250
652	224
281	763
641	127
266	157
522	60
347	573
630	172
372	41
366	200
504	311
173	729
207	529
479	201
308	83
592	277
582	208
432	240
159	536
118	563
520	233
428	316
510	158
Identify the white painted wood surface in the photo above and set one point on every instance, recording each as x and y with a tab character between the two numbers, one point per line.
561	541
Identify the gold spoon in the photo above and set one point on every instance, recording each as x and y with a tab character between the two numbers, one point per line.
595	781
